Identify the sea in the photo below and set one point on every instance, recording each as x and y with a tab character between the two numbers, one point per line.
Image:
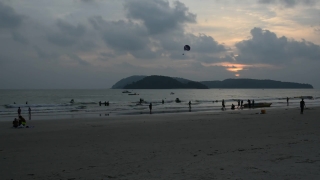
57	104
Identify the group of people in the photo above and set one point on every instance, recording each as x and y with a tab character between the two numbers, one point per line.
19	123
240	104
105	103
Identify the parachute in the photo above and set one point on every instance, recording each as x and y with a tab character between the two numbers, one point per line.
186	48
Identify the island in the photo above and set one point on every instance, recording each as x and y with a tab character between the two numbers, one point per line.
165	82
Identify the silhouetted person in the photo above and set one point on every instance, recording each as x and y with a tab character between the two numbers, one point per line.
223	105
232	106
29	110
22	121
19	111
241	103
99	103
189	104
249	103
26	102
150	107
162	101
252	103
108	103
302	105
287	101
15	123
105	103
141	101
238	103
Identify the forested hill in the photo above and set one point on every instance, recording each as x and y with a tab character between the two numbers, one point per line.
254	84
163	82
125	81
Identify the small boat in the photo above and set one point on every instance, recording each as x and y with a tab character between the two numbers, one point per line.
126	91
132	94
257	105
171	93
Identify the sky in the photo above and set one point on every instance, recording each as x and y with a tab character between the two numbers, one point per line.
92	44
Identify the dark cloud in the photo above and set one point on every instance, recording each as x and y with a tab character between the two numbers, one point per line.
124	37
78	59
266	47
45	55
68	34
9	18
158	16
288	3
18	37
204	43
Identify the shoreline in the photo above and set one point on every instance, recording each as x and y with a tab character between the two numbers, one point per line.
101	114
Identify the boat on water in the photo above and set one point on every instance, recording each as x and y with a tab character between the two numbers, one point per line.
132	94
172	93
126	91
257	105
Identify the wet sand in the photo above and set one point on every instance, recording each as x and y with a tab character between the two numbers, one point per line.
282	144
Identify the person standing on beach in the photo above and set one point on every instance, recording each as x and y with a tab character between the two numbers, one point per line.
223	105
287	101
150	107
162	101
249	103
19	111
302	106
238	103
253	103
189	104
99	103
241	103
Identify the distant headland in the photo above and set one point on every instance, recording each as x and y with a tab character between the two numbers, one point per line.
165	82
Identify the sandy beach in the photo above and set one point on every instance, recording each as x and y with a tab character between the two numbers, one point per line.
282	144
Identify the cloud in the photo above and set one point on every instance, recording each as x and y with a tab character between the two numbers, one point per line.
9	18
264	46
158	16
18	37
68	34
288	3
154	29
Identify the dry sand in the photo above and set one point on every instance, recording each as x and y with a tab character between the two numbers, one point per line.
282	144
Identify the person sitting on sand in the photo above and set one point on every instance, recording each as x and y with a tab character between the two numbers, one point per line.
15	123
232	106
22	121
